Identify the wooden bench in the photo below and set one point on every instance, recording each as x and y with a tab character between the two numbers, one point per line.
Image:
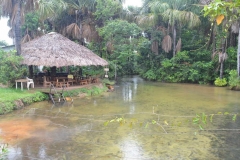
83	81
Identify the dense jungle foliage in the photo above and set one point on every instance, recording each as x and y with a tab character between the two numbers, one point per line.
189	41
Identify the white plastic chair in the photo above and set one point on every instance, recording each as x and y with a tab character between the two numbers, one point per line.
30	82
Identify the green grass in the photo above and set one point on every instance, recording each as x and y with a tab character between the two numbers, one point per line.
8	97
11	94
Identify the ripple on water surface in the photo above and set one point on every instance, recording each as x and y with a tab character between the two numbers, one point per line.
139	120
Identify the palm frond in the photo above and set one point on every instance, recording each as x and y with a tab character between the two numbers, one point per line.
169	15
80	4
73	30
110	47
214	54
167	43
221	56
10	33
64	32
94	36
154	47
145	20
14	12
162	29
205	2
51	8
189	18
30	5
6	7
87	32
235	27
179	45
158	6
26	38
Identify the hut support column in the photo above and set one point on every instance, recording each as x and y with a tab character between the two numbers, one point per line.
53	71
30	69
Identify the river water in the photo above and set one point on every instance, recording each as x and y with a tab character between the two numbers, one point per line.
139	120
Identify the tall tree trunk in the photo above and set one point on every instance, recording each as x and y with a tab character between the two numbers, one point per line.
213	38
221	70
213	42
17	27
238	54
174	40
231	39
222	59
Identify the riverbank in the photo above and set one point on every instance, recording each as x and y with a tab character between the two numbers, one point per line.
12	99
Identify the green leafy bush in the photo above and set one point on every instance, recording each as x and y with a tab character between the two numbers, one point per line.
6	107
234	81
176	69
38	96
11	68
96	90
150	75
220	82
193	67
107	81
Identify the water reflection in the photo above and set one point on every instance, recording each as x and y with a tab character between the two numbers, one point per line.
131	149
127	92
14	153
88	129
129	88
42	152
132	109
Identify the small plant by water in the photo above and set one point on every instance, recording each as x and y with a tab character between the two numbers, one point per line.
220	82
3	151
201	120
234	81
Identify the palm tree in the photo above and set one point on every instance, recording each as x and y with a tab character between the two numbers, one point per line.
82	10
238	54
15	9
176	13
12	9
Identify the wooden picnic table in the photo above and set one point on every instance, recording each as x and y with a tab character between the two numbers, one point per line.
21	81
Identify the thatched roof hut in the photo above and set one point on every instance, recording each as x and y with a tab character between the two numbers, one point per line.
53	49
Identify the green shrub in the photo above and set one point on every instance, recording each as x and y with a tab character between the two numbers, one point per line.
150	75
6	107
220	82
107	81
11	68
96	91
27	100
234	81
37	97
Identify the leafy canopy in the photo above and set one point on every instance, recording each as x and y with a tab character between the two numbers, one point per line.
106	9
219	9
10	68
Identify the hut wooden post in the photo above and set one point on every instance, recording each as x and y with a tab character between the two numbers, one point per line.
53	71
30	69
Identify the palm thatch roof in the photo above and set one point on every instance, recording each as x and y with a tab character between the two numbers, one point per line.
53	49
